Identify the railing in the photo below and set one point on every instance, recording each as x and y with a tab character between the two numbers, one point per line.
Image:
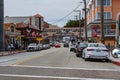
107	32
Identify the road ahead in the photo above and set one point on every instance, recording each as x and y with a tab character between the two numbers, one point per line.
55	64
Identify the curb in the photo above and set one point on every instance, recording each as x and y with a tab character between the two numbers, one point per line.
116	62
11	52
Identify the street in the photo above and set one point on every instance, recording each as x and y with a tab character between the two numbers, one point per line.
55	64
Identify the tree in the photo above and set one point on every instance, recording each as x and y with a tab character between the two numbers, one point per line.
75	23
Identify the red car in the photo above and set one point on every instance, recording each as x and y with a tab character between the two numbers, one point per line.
58	45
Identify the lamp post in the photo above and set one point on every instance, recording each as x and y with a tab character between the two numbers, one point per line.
1	25
102	22
79	21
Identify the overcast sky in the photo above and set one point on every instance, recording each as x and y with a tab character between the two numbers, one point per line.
51	10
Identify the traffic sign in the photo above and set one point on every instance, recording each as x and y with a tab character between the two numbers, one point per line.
19	38
39	39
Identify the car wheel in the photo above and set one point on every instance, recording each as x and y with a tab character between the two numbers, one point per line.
107	60
85	59
77	55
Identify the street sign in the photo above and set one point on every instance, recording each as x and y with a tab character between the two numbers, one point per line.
39	39
19	38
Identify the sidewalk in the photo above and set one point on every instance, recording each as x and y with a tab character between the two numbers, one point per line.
7	53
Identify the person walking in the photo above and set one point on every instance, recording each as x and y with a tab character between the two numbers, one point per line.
9	47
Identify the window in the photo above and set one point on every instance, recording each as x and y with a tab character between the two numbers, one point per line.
98	15
107	15
105	2
107	29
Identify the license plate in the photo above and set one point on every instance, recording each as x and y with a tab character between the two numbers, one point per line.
98	50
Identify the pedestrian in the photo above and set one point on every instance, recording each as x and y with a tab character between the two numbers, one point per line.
108	46
12	46
9	47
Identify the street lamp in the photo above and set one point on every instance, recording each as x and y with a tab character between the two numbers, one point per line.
79	21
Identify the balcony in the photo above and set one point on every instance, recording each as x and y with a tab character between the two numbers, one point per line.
107	32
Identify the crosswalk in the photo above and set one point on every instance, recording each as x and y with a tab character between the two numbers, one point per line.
21	72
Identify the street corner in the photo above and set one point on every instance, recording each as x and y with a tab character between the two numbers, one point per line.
116	61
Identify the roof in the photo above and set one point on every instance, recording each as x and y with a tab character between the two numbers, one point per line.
16	19
38	15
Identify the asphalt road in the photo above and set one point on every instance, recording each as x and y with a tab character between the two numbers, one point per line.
55	64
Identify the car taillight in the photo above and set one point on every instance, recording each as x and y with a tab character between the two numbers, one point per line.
90	49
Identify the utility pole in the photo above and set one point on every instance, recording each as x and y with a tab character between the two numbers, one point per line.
102	22
85	24
2	25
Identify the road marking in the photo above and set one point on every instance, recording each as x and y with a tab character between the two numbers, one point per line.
51	77
26	60
68	68
31	58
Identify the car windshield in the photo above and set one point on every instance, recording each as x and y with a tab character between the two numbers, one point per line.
83	45
32	44
96	45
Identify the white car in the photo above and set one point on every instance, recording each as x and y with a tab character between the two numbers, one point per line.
96	51
116	53
32	47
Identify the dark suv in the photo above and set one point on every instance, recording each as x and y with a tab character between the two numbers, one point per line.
79	49
66	44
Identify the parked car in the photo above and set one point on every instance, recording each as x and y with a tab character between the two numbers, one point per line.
76	45
40	47
72	47
80	48
45	46
66	44
96	51
57	45
116	53
32	47
52	44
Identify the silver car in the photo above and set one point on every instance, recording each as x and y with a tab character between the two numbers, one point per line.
96	51
32	47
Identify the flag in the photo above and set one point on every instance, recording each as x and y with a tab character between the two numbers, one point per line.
94	31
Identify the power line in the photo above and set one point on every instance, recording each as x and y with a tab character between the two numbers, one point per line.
66	15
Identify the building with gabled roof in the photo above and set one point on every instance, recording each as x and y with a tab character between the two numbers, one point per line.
27	25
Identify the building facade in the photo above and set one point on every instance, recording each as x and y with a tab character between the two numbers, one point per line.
22	30
111	10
